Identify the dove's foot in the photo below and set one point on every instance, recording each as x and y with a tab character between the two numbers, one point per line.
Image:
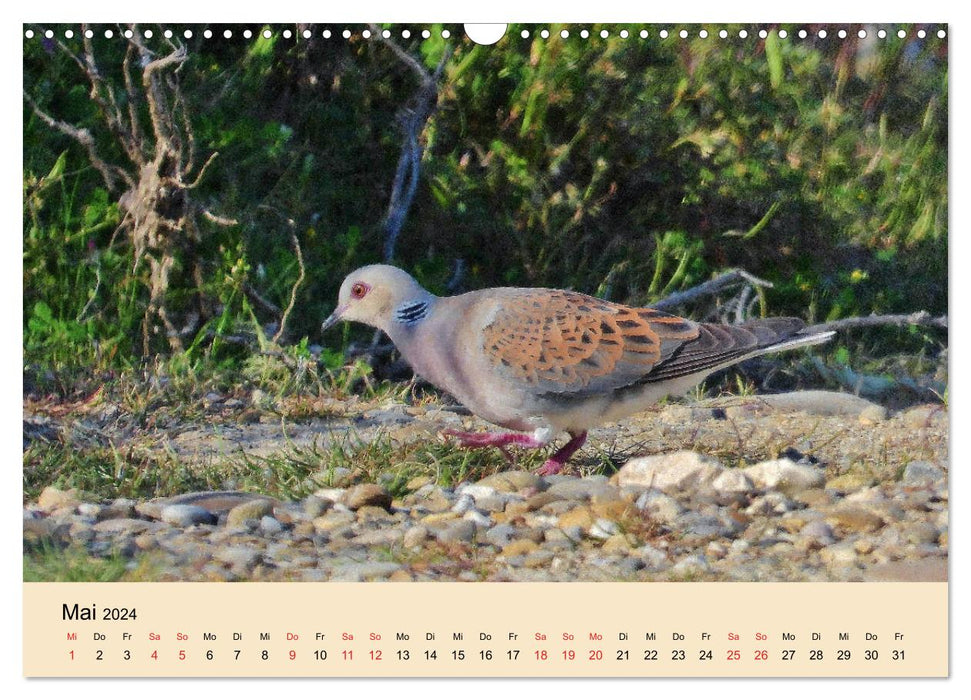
555	463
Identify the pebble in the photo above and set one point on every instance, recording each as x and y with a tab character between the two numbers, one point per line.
679	471
251	510
785	475
185	515
667	516
366	495
921	473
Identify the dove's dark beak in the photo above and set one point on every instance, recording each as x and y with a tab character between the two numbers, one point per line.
333	318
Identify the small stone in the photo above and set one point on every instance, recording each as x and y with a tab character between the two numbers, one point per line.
518	548
270	526
367	495
863	545
616	544
239	557
53	498
849	482
678	471
89	510
873	414
184	515
581	517
463	504
315	506
582	489
480	520
920	472
921	417
603	529
476	491
118	508
415	536
691	565
365	571
842	554
512	481
653	557
333	520
660	506
922	533
818	531
125	526
855	519
251	510
456	532
785	475
500	535
732	481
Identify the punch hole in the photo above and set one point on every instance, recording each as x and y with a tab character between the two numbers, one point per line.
723	34
545	33
644	34
524	34
207	34
149	33
783	34
68	34
604	33
326	34
247	34
405	33
188	33
49	34
584	34
624	33
88	33
802	34
742	33
167	33
822	34
841	33
307	33
763	34
287	34
29	33
425	34
921	34
366	33
703	34
129	34
346	34
267	33
882	34
664	34
941	33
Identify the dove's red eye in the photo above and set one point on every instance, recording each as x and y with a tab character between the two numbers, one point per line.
359	290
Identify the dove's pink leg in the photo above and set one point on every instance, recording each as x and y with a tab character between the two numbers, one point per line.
493	439
555	463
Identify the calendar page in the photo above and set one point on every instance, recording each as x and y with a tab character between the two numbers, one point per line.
576	350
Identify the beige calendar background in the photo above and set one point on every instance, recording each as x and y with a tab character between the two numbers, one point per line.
486	629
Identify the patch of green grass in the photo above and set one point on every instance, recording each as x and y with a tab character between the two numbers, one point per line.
50	563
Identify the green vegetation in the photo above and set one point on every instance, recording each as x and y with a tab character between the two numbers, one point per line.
197	240
631	168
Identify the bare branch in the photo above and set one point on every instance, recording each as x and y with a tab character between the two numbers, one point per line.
918	318
293	290
109	173
413	118
709	288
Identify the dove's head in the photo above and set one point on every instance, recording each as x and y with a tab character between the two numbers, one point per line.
380	296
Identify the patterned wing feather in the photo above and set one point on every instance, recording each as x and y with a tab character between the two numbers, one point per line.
565	342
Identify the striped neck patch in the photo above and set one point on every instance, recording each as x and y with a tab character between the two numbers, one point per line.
411	312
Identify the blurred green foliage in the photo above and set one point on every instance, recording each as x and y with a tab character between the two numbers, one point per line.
626	167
